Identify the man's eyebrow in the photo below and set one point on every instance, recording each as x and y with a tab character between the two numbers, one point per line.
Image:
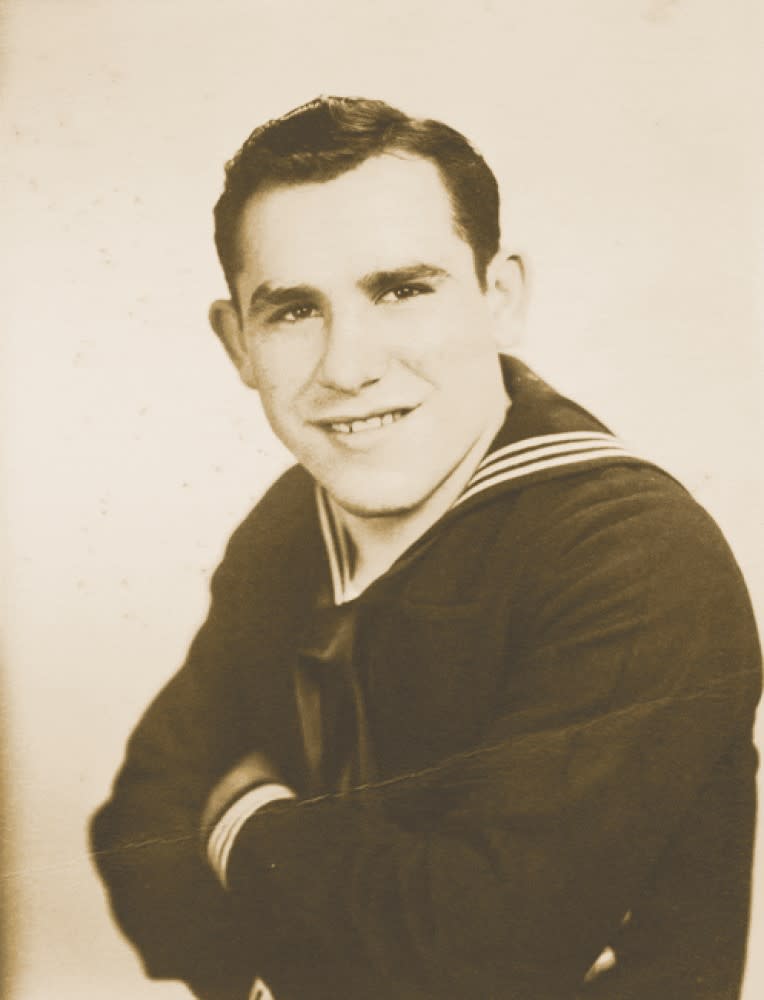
266	295
379	281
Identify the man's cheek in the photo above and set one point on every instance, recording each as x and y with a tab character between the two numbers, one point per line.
437	339
440	351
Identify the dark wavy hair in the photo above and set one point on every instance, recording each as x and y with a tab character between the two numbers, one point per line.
330	135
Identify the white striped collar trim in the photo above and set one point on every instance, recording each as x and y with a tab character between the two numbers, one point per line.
335	544
514	461
538	454
543	441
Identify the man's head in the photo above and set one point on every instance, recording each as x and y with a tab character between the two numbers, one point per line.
366	299
331	135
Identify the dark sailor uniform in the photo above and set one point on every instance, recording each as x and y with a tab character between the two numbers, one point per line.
530	743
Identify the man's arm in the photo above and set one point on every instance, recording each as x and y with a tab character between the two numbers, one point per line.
529	851
145	838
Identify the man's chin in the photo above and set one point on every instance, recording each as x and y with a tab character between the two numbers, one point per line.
379	497
384	499
378	507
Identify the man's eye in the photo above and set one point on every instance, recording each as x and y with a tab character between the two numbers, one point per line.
402	292
293	314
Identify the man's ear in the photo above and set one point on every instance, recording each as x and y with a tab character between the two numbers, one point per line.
225	321
507	289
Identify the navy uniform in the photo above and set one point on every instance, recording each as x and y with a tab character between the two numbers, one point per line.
521	760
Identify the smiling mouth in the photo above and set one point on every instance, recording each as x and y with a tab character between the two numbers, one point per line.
367	423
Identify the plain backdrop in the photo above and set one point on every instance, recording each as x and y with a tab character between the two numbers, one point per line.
625	137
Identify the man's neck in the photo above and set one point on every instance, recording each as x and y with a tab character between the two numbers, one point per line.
375	543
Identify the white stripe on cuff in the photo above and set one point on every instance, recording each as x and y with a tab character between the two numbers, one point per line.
227	828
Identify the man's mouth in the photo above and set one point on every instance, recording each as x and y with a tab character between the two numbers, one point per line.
371	423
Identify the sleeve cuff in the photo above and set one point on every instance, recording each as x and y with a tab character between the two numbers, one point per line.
225	831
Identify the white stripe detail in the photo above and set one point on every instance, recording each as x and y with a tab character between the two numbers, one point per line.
336	568
260	991
347	593
538	453
227	828
549	463
528	444
607	961
335	542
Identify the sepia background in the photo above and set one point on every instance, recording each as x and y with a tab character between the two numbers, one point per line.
625	137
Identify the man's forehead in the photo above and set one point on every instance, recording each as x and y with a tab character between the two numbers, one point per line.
390	206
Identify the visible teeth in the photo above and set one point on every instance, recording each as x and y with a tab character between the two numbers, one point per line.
371	423
362	425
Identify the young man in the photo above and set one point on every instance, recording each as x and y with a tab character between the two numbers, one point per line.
471	713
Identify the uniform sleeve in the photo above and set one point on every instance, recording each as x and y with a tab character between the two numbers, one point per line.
145	838
512	864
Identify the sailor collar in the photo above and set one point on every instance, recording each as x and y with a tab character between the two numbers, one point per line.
545	436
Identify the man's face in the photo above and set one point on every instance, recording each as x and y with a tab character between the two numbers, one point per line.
364	329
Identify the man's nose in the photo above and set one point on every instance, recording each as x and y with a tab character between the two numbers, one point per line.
352	357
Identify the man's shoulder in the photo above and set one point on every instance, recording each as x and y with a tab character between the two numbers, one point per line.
640	499
630	530
618	521
603	513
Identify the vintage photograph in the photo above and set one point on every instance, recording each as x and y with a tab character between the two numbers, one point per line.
382	504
